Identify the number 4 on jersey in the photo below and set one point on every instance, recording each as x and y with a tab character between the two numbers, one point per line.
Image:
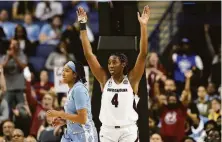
115	100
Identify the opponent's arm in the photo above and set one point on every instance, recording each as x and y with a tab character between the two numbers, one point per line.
96	68
136	73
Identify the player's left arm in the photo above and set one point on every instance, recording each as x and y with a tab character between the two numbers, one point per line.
136	73
80	96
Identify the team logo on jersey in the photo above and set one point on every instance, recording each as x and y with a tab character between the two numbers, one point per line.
125	81
110	84
170	118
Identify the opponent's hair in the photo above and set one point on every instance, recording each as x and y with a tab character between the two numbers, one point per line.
123	59
80	72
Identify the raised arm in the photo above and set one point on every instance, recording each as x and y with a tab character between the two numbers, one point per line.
95	67
186	95
2	80
136	73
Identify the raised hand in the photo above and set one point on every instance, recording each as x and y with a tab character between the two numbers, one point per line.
81	14
188	74
143	19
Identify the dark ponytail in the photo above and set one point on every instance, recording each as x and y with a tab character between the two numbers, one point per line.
80	72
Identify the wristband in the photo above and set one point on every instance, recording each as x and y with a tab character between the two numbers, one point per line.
82	26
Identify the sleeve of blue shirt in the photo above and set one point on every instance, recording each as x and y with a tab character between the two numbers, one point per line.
81	97
45	29
37	31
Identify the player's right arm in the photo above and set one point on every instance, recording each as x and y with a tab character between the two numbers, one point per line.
95	67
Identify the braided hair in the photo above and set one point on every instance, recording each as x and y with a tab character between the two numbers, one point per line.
80	72
123	59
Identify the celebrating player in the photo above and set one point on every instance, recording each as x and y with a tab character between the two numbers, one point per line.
117	114
80	127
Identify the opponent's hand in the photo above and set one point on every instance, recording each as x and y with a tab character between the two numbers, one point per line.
143	19
81	14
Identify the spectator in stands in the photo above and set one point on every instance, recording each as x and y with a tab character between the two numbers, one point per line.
17	136
22	117
30	139
20	8
169	86
215	110
202	102
32	30
51	33
13	63
59	57
4	110
153	126
47	9
209	125
8	127
173	115
43	86
185	60
211	91
154	69
38	109
188	139
215	76
46	132
24	43
156	138
7	26
197	127
70	14
219	123
214	136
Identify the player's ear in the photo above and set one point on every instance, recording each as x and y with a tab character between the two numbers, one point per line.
124	65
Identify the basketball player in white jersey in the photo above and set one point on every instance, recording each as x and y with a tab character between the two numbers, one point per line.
117	113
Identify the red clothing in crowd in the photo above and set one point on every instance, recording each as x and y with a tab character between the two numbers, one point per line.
38	112
37	86
173	123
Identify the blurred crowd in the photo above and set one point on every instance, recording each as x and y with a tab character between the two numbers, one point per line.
36	37
181	107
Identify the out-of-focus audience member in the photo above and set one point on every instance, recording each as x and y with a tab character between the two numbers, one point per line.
156	138
17	135
4	110
24	43
30	139
215	110
43	86
32	29
72	7
59	57
46	132
38	109
47	9
20	8
202	101
13	63
51	33
185	60
154	70
7	26
7	128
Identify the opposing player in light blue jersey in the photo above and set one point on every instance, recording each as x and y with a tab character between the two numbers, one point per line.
117	112
77	115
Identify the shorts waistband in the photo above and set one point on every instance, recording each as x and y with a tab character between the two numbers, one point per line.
118	127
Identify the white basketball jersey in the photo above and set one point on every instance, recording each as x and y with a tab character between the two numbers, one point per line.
117	104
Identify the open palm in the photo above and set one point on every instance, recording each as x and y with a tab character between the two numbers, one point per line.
143	19
81	14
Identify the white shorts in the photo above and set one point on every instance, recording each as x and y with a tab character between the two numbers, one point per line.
127	133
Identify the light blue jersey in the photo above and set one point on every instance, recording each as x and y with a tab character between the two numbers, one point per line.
78	98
